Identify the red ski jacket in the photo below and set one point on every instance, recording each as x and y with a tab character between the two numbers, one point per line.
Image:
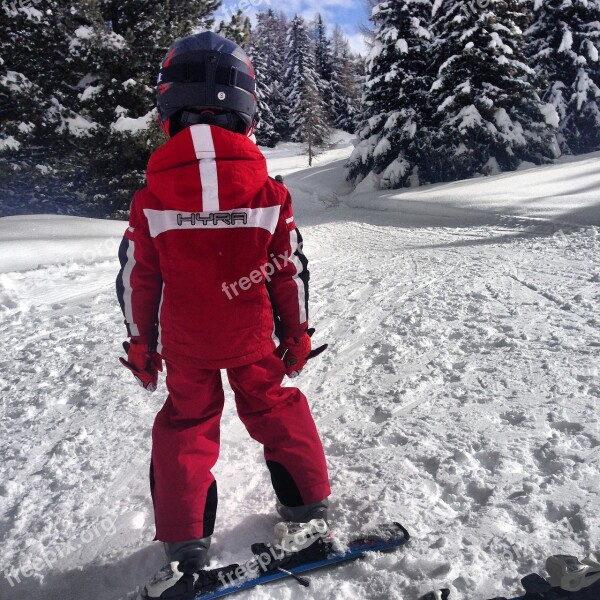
212	256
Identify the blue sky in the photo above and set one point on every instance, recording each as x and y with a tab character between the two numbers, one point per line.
349	14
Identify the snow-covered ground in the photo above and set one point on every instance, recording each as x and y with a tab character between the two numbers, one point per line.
459	394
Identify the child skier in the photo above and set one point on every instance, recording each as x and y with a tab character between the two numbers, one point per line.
210	262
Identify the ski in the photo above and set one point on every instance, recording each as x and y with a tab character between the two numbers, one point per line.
555	593
269	565
569	579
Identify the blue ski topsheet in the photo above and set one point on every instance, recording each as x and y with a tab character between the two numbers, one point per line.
356	549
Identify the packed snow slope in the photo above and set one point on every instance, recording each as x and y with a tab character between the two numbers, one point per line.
459	394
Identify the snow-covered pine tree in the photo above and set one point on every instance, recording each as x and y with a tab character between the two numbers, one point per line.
269	40
395	128
25	117
267	51
308	116
486	113
121	58
77	82
564	48
38	164
323	62
345	83
266	134
238	29
323	56
180	17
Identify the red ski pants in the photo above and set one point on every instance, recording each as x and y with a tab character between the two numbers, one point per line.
185	443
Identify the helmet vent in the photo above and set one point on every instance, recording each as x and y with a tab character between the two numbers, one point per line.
233	77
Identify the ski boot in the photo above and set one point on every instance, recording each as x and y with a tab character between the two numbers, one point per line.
177	578
304	513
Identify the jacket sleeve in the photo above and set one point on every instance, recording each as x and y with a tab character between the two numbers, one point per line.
288	285
139	283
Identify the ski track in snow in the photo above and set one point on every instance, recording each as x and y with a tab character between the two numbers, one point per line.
459	396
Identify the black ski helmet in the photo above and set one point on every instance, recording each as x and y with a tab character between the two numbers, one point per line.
209	72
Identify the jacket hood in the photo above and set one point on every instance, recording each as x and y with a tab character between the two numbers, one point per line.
182	171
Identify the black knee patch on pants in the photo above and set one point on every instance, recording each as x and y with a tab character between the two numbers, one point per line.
285	487
210	510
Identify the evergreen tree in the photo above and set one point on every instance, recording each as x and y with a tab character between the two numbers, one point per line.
281	111
37	78
308	119
346	84
394	128
323	56
23	102
78	82
565	40
487	115
266	134
118	93
270	38
123	51
267	52
238	29
323	62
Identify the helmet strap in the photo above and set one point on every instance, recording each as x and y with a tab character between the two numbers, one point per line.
163	125
255	121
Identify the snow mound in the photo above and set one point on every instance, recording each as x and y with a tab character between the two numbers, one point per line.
458	394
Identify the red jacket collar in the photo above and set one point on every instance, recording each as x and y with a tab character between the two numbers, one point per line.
174	174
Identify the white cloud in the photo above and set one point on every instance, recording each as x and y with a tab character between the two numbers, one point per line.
357	43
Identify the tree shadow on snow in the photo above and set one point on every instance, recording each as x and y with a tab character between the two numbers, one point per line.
547	230
232	544
121	580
